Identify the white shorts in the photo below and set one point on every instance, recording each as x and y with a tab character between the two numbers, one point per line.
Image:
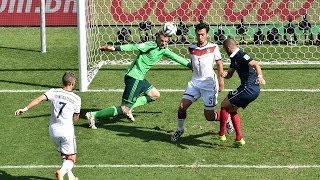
208	95
65	145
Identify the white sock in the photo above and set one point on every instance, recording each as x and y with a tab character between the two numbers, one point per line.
180	124
70	174
67	165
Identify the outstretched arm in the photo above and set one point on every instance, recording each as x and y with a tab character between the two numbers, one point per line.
33	103
128	47
175	57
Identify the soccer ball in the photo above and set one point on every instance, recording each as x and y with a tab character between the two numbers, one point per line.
169	29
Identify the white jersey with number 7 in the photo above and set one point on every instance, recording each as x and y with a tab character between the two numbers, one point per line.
63	105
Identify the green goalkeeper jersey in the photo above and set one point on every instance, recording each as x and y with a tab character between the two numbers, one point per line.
149	54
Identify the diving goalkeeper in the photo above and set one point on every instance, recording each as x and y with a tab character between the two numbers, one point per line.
138	91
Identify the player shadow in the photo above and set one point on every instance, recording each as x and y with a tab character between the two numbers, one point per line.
20	49
36	116
160	134
5	176
30	84
111	120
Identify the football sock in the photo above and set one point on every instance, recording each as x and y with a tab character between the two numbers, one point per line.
142	100
107	112
236	124
67	165
180	124
70	174
217	116
223	120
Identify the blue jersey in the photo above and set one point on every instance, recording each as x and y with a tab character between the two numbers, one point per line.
240	62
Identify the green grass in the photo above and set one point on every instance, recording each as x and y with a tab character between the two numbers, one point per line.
280	128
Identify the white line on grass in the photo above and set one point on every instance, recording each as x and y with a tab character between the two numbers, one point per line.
162	90
233	166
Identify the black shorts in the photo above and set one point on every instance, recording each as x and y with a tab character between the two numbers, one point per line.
133	89
244	95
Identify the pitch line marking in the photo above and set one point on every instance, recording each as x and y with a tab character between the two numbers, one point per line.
161	90
232	166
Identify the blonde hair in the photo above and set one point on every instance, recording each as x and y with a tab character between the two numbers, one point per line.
68	78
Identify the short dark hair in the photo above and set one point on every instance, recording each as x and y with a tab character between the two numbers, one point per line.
202	25
68	78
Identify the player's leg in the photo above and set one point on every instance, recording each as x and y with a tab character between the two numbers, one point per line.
241	98
67	147
190	95
128	99
182	115
132	95
209	97
227	106
150	94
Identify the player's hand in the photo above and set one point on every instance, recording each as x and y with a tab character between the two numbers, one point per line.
19	112
224	74
260	80
107	48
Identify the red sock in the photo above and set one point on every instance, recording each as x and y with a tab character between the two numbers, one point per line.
236	124
223	120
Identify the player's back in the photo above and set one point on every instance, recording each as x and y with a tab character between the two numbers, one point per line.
64	104
240	61
203	59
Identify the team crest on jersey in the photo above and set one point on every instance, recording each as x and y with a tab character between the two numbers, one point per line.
246	57
142	45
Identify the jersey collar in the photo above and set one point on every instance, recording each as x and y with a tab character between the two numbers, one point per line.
234	52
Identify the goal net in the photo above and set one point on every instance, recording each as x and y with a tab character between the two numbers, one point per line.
274	32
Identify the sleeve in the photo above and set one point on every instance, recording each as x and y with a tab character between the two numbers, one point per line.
175	57
49	94
77	107
143	47
246	58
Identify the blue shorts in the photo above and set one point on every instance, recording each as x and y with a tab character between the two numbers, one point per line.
244	95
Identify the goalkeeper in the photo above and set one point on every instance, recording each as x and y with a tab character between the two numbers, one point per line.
138	91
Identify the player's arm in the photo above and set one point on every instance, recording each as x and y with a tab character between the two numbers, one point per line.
128	47
33	103
228	74
257	67
220	74
175	57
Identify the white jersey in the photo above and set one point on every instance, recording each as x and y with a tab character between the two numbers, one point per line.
63	105
203	60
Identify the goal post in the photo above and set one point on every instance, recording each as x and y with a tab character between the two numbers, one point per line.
82	46
275	32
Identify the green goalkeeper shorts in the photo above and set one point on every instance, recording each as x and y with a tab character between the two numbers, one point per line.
133	89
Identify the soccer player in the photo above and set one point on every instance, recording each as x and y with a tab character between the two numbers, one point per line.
250	75
65	110
204	82
149	53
